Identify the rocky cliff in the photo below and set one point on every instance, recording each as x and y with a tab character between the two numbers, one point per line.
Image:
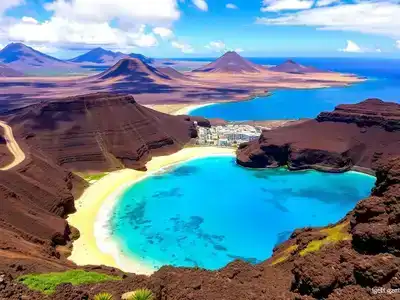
351	135
358	258
100	132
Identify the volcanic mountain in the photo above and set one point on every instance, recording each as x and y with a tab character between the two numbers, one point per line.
21	57
172	73
106	57
352	135
231	62
99	56
6	71
291	66
143	58
132	69
100	132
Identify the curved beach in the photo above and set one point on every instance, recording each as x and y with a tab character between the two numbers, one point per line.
93	208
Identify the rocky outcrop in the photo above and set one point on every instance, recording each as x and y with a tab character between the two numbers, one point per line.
36	196
333	142
100	132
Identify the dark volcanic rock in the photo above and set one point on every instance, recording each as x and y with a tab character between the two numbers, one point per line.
333	142
100	132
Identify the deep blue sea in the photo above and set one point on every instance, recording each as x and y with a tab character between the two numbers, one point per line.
208	212
383	82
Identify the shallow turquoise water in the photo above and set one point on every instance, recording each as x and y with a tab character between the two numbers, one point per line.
208	212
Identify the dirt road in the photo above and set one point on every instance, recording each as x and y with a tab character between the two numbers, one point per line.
13	146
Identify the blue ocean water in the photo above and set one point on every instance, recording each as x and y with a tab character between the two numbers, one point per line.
210	211
383	82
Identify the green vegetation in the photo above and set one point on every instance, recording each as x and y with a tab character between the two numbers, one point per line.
103	296
92	177
142	294
333	235
48	282
285	254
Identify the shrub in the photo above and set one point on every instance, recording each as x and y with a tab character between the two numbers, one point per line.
47	282
103	296
142	294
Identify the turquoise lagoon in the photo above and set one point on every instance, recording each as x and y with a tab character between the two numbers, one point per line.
210	211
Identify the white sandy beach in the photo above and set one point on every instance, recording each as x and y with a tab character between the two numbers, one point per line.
95	205
189	108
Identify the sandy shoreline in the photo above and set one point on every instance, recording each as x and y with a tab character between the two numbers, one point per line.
93	208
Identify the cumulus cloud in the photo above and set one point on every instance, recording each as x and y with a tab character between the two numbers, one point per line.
164	33
221	47
115	23
201	4
29	20
231	6
132	11
60	31
216	46
373	16
185	48
277	5
352	47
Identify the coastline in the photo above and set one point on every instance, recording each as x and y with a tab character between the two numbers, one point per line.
189	108
94	246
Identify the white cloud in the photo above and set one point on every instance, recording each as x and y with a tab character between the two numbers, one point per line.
216	46
238	50
185	48
372	16
398	44
60	31
326	2
7	4
278	5
231	6
352	47
152	12
29	20
163	32
201	4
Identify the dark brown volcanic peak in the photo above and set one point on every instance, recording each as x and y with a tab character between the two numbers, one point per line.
132	69
230	62
357	134
290	66
100	132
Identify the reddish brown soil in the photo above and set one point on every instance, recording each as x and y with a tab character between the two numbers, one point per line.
351	135
100	132
347	269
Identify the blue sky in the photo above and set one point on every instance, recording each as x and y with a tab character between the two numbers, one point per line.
205	28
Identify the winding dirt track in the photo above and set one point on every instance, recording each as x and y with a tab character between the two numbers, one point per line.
13	146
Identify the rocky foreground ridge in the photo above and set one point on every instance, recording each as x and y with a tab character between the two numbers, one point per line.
358	258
